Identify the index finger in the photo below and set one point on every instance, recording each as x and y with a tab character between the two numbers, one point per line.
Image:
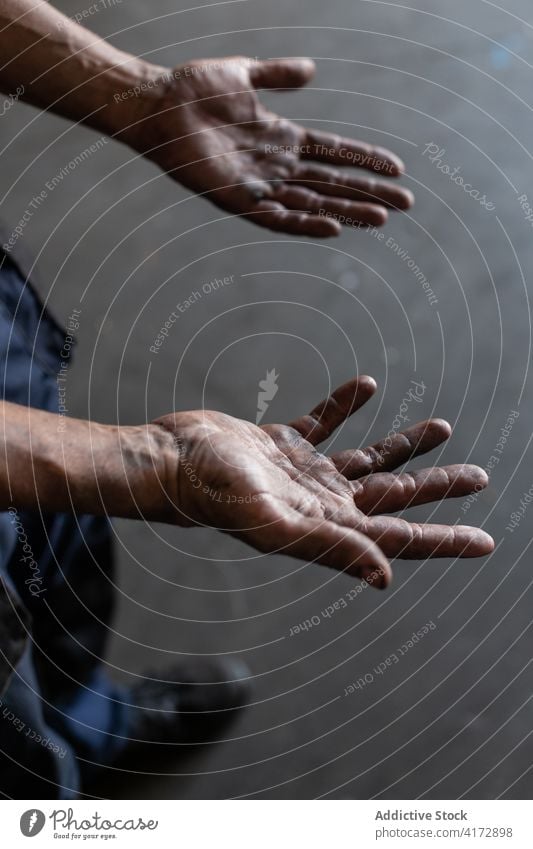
337	150
333	411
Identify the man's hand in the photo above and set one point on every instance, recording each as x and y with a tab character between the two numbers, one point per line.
270	487
202	123
209	131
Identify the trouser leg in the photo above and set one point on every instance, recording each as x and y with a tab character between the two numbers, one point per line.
35	761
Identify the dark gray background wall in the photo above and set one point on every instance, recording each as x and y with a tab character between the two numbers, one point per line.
123	243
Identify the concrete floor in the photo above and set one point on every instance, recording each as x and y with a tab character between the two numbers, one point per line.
124	244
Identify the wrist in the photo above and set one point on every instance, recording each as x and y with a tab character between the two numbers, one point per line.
136	91
141	480
118	471
151	109
61	464
176	432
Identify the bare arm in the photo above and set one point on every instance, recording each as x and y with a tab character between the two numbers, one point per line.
61	464
203	124
268	486
66	68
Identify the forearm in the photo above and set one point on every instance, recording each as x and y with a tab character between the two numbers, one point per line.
60	65
63	464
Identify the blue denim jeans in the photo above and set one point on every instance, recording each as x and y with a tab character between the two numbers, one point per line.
59	711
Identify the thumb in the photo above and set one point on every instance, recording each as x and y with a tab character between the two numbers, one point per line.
282	73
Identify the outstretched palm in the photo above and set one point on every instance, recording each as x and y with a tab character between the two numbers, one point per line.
270	487
214	136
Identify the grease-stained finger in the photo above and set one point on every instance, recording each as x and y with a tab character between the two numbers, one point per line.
412	540
386	492
350	213
337	150
275	216
319	540
393	451
286	73
337	183
320	423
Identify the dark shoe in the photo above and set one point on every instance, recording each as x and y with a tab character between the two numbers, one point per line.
193	705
